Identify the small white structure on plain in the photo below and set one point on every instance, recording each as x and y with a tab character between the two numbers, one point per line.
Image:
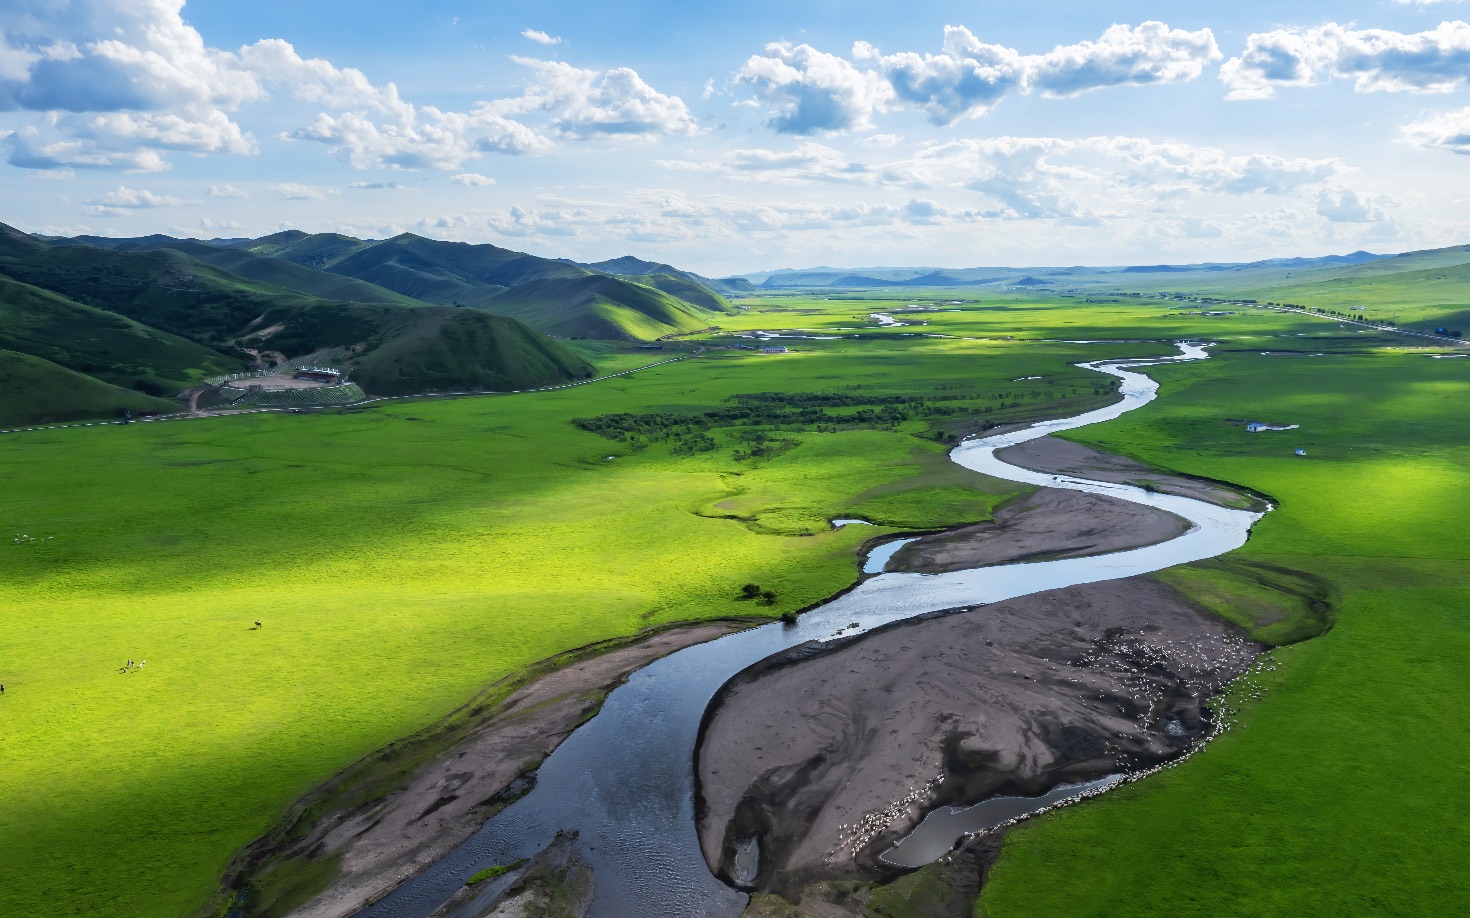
1301	452
1258	426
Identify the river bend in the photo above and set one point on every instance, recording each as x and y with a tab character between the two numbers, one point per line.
625	780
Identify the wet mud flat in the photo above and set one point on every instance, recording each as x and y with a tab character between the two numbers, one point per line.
458	775
828	757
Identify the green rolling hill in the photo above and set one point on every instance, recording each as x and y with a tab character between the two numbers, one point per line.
683	287
411	270
111	347
598	306
728	286
689	287
454	349
163	288
165	313
310	250
1423	289
628	265
447	273
102	321
265	269
37	391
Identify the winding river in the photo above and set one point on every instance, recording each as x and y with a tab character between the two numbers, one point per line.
625	780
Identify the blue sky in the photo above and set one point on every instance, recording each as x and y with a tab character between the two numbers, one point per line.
749	136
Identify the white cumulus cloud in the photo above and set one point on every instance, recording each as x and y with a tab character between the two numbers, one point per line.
1162	165
1344	205
123	200
429	139
295	191
1124	56
540	37
578	104
31	148
1445	131
814	91
1376	60
583	104
472	180
968	78
122	85
122	82
1034	177
807	162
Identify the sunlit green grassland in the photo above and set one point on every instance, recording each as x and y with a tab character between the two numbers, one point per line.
1343	790
401	558
1102	317
405	556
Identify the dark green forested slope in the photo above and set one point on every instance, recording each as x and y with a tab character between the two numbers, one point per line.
99	343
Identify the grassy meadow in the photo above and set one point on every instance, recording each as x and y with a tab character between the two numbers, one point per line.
1107	320
401	558
404	556
1342	788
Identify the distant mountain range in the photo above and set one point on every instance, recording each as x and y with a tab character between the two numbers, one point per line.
786	278
92	324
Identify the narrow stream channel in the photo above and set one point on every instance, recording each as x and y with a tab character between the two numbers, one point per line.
625	779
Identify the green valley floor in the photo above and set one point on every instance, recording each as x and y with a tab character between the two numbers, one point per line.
404	556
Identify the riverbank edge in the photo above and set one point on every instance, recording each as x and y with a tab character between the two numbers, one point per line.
411	753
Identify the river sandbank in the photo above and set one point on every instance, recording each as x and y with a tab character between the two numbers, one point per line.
828	758
1063	457
379	840
1045	524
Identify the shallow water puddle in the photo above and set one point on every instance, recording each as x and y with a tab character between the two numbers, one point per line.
878	558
